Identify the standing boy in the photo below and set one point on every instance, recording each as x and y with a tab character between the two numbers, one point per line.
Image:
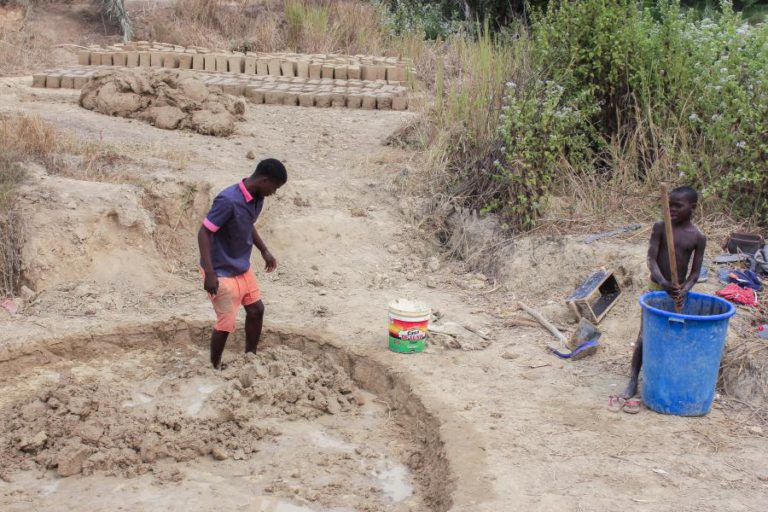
226	239
689	242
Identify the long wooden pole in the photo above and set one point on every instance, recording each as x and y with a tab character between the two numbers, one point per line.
544	323
672	256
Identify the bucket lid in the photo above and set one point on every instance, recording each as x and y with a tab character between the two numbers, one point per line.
409	307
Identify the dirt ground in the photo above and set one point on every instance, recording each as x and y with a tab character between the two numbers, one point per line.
522	430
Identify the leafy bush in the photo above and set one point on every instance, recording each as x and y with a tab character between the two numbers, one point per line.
690	92
727	115
539	127
433	20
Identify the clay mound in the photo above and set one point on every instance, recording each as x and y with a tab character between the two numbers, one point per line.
167	99
124	425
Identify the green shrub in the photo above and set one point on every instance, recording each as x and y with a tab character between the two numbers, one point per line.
539	127
691	93
432	20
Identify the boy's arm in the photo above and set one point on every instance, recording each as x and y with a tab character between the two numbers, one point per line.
698	260
653	258
211	283
271	262
218	215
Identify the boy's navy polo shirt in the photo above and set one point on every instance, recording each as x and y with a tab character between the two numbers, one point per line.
231	220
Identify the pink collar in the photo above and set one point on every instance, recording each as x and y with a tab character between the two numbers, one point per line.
247	195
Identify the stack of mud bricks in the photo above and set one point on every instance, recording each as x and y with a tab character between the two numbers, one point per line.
284	78
70	78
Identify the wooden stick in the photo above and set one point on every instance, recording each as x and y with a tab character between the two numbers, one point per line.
545	323
672	256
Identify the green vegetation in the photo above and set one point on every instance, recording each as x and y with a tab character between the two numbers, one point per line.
626	97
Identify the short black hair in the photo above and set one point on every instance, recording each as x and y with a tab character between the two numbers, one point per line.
688	192
272	169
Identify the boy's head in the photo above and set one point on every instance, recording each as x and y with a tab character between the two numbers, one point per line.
682	202
269	176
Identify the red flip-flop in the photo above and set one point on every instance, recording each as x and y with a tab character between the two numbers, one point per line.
631	405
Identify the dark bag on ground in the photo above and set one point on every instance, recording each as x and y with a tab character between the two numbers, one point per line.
747	243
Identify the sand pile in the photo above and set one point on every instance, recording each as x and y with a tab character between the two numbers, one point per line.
122	426
165	98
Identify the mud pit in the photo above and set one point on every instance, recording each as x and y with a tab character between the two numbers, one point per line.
152	426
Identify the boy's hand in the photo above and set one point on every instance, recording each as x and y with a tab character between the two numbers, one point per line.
211	283
269	260
674	291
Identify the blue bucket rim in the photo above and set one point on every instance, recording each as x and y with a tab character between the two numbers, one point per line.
701	318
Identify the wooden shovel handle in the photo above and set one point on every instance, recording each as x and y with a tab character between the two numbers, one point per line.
671	254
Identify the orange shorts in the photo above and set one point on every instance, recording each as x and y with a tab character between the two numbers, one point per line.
236	291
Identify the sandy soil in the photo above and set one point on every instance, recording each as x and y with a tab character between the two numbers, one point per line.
125	253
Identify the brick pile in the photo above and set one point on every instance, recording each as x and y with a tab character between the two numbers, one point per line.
310	66
268	89
352	81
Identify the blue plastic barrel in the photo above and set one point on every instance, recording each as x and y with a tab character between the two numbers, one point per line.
682	351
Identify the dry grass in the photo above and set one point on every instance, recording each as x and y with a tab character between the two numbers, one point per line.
26	44
347	26
22	46
28	139
468	88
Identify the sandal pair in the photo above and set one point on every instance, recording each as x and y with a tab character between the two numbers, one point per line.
617	403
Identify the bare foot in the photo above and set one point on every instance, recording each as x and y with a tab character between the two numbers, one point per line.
631	389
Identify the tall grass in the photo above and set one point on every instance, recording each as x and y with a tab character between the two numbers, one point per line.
22	46
469	89
606	100
28	139
347	26
22	138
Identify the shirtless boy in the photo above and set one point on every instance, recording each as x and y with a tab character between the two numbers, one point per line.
689	243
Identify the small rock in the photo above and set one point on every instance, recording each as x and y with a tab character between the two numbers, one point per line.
509	355
27	294
754	429
333	406
33	410
358	212
219	453
70	459
250	155
79	405
148	448
431	282
301	202
433	265
90	432
33	444
393	249
475	284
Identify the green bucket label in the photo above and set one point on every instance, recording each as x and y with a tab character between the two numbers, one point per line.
407	336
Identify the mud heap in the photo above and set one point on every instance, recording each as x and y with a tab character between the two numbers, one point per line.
167	99
122	426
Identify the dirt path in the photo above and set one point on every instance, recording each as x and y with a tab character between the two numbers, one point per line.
345	250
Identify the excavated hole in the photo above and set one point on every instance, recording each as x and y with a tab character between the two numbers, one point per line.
138	419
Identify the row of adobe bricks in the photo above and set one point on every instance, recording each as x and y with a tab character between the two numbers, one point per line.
289	65
267	89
